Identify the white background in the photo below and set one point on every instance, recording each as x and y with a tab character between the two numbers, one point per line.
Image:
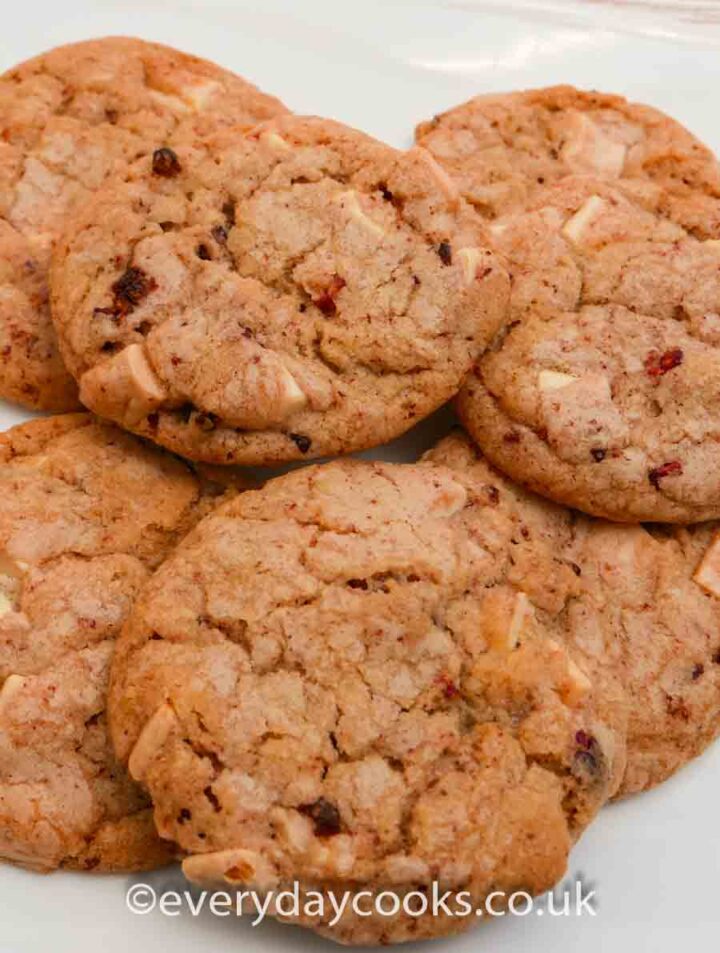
383	66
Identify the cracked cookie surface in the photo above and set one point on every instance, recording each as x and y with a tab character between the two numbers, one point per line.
70	119
641	617
86	513
340	679
296	291
502	147
602	394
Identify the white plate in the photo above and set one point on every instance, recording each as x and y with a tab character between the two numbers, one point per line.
382	66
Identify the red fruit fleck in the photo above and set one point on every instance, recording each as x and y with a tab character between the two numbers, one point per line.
450	689
325	817
671	468
165	163
130	289
657	364
326	301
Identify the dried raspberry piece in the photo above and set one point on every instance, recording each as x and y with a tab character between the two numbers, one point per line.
303	443
657	364
444	250
326	301
671	468
166	163
589	758
325	816
450	689
130	289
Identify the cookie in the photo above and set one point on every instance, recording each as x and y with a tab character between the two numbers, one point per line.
641	617
602	393
86	513
340	680
69	120
296	291
502	147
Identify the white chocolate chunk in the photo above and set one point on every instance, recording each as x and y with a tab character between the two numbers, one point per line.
707	575
11	686
445	183
125	386
275	140
522	613
350	203
450	499
554	380
199	94
293	831
406	869
5	604
506	615
576	227
588	148
469	259
152	738
577	685
168	101
236	866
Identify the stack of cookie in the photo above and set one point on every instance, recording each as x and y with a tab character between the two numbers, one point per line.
362	677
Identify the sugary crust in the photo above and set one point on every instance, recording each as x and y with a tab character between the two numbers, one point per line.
297	291
636	619
86	512
602	393
341	679
501	147
69	119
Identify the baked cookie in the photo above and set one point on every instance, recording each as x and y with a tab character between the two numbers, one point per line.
297	291
69	120
86	512
603	392
340	680
501	147
641	617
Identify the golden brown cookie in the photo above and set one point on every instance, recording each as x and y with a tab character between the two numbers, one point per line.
503	146
340	679
296	291
86	512
69	120
641	616
603	392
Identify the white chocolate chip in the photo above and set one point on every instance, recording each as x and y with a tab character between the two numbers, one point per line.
11	686
236	866
577	685
168	101
506	615
447	185
152	738
554	380
522	613
588	148
406	869
350	203
293	831
469	259
576	227
5	604
707	575
199	94
125	386
275	140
